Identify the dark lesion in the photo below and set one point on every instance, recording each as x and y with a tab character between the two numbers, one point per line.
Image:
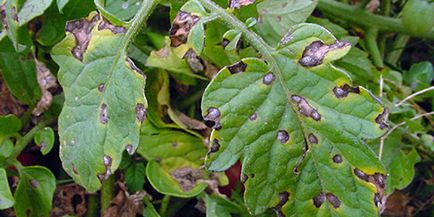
305	108
344	90
105	24
181	27
283	199
313	54
212	118
381	119
240	3
237	67
378	180
82	31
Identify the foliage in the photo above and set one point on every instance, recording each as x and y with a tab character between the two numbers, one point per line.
239	107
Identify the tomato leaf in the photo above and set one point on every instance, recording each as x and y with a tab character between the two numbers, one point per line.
34	192
104	99
45	139
32	9
6	198
298	129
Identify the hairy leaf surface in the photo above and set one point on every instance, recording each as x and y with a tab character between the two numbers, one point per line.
298	128
104	100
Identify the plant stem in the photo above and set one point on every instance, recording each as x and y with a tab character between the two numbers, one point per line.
371	44
363	18
26	139
164	205
397	48
92	205
107	193
142	15
413	95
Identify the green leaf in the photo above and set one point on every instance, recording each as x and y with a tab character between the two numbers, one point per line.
35	192
419	76
104	99
298	128
357	63
61	4
45	139
19	73
118	12
135	177
149	210
6	198
6	148
32	9
219	207
276	17
9	124
173	156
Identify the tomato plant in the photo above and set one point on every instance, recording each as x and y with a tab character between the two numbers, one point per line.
216	108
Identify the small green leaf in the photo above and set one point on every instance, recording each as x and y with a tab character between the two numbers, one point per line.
219	207
6	198
19	73
173	156
9	124
32	9
35	192
276	17
6	147
149	210
104	99
297	127
135	176
45	139
419	76
118	12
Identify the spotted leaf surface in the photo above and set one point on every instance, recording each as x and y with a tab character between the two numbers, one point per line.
104	100
298	129
174	160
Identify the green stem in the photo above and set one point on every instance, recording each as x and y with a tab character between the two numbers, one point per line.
142	15
107	193
26	139
363	18
164	205
397	48
92	205
371	44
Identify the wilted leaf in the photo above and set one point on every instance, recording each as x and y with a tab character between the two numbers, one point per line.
35	191
126	205
104	100
6	198
174	160
47	82
45	139
276	17
298	129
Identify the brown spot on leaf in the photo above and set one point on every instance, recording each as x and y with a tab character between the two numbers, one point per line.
337	159
240	3
253	117
3	18
215	146
193	61
101	88
81	29
334	201
319	200
377	199
305	108
105	24
103	115
314	53
381	119
187	177
47	82
130	149
181	27
107	161
344	90
312	139
225	42
283	198
377	179
34	183
134	67
363	176
268	78
237	67
140	112
243	178
213	118
282	136
74	169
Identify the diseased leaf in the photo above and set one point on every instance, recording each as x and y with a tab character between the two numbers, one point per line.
297	127
174	160
276	17
47	82
104	100
32	9
118	12
6	198
35	192
45	139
